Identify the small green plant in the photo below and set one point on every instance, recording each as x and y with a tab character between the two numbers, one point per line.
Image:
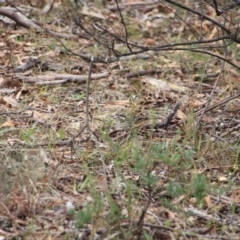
199	187
79	96
174	190
114	215
52	45
61	133
27	135
147	236
237	158
84	216
20	38
144	166
92	211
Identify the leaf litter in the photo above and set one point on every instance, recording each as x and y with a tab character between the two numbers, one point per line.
125	112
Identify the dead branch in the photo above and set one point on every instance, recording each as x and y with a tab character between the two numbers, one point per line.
168	120
205	17
59	78
136	5
22	20
143	73
215	105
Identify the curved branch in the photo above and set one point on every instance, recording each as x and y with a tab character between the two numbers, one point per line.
25	22
233	36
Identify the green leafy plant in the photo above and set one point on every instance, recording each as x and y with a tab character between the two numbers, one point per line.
199	187
27	135
84	216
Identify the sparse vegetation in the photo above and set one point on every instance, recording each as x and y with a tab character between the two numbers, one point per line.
148	150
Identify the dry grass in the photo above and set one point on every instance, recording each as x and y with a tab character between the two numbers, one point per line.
122	179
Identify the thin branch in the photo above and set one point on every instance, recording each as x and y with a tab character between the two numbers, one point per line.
168	120
87	93
233	36
218	104
88	125
211	95
217	10
207	53
124	25
20	18
144	212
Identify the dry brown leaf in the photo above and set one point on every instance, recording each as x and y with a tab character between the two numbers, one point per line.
222	179
37	116
158	83
2	81
11	101
74	125
177	88
40	116
133	1
18	95
118	103
178	199
180	114
213	33
8	124
2	44
149	42
171	214
236	195
197	103
93	12
208	201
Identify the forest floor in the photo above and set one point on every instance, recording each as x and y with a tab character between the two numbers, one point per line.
148	149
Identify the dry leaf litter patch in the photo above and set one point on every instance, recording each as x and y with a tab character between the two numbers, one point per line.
38	120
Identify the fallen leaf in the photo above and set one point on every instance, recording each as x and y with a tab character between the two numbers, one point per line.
236	195
180	114
177	88
11	101
93	12
222	179
158	83
196	103
8	124
208	201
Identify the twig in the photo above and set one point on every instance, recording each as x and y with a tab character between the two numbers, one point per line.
60	77
137	5
221	26
233	36
207	53
168	120
217	10
220	103
88	124
20	18
144	211
12	217
143	73
124	25
87	93
211	95
171	115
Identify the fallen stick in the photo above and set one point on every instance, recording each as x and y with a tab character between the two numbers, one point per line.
215	105
59	78
23	21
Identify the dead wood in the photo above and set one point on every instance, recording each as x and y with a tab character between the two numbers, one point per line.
23	21
59	78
